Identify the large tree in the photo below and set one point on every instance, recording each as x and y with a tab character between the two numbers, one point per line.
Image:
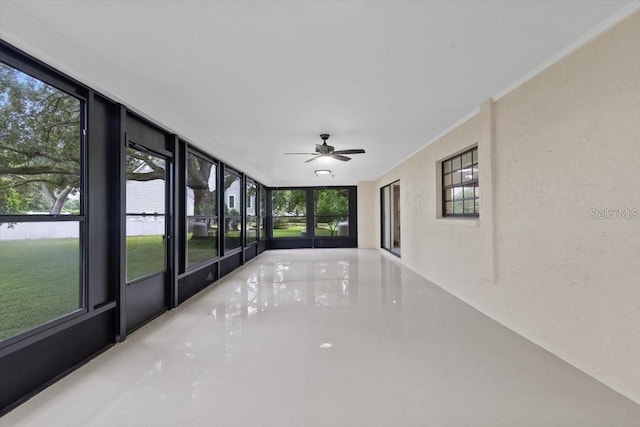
40	133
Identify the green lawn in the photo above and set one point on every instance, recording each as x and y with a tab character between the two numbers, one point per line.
39	281
199	250
296	231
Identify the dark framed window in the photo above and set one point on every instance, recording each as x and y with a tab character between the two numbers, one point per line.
263	212
289	213
232	210
42	221
460	185
251	228
202	209
331	216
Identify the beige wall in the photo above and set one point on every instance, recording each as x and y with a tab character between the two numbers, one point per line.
368	231
552	150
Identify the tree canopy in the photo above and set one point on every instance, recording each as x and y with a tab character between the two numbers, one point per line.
40	134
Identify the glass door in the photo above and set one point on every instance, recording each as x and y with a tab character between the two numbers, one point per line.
146	235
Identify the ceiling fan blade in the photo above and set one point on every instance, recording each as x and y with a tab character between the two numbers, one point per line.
340	157
312	159
306	154
354	151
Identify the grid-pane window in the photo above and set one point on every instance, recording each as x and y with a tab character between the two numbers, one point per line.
460	185
41	215
202	210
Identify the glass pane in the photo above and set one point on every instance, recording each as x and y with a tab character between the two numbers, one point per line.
386	211
202	239
40	274
331	212
467	175
40	134
475	155
456	163
477	204
469	206
455	178
289	209
448	208
395	232
263	212
458	207
145	222
468	192
145	246
477	191
232	236
457	193
467	159
145	183
232	209
448	194
201	186
447	180
252	229
446	166
289	226
475	173
252	192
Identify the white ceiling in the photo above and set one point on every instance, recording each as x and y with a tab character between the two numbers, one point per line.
248	81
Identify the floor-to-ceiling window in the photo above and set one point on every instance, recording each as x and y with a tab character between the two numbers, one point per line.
390	217
331	212
251	198
202	209
42	221
232	210
289	213
263	212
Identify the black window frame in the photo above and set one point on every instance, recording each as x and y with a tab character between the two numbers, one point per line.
473	182
43	74
216	215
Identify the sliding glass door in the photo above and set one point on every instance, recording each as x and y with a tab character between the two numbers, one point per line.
390	217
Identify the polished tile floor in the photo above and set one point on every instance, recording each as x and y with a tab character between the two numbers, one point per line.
325	338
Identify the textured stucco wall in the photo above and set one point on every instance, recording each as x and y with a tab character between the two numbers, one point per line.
555	148
368	233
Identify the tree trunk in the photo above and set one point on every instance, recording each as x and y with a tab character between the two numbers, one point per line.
60	199
46	193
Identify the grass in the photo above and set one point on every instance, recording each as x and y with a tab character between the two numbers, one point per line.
39	279
296	231
39	282
199	250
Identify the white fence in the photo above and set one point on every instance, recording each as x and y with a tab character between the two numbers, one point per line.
136	226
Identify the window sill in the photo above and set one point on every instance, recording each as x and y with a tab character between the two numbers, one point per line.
465	222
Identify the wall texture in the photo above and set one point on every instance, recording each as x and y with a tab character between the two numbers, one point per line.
556	154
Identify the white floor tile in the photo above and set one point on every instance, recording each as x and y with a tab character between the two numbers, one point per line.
325	338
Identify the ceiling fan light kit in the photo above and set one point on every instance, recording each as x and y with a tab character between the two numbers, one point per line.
324	150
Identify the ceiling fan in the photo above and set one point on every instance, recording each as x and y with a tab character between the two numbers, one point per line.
330	151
